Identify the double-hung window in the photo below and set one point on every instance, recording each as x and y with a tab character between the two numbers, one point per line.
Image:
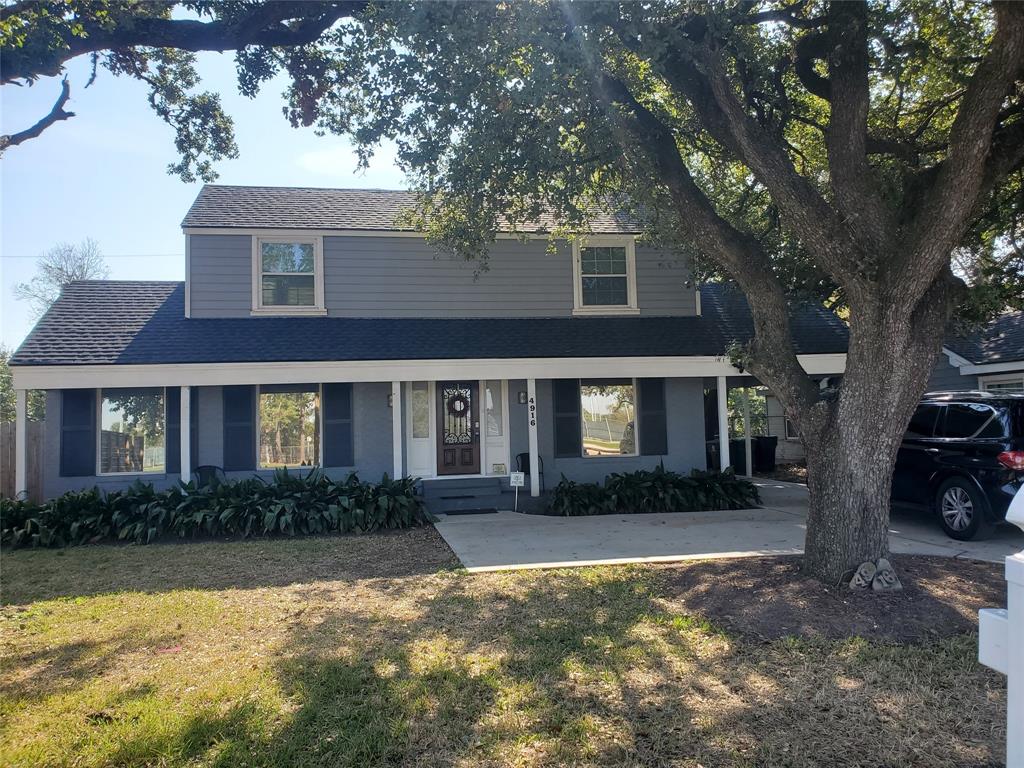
608	411
605	275
288	275
131	436
289	426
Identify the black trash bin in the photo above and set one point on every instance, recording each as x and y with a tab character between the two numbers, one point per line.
763	451
738	456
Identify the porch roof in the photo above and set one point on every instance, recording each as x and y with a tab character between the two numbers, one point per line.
144	323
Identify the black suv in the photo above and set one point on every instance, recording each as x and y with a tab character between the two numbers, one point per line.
963	456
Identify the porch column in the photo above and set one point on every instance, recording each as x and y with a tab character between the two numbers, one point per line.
531	399
396	427
723	423
746	431
185	432
20	442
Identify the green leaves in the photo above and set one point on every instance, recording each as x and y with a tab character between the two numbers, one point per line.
657	490
292	505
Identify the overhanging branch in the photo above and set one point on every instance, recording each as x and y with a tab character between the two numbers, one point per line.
55	115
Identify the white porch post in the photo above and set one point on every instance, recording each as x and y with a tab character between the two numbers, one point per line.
21	442
396	427
723	423
746	431
531	400
186	434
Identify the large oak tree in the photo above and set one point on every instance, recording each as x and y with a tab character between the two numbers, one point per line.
864	154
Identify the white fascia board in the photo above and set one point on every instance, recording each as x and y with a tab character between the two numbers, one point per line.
217	374
954	359
1011	367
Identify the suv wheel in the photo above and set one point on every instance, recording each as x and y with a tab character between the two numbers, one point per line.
961	510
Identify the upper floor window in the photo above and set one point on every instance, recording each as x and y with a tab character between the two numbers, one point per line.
288	275
605	276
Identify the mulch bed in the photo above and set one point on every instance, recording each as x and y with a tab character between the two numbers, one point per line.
790	473
768	598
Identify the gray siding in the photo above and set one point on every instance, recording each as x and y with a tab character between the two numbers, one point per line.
371	423
406	277
947	377
220	275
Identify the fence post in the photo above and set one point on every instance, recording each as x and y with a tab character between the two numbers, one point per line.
1001	642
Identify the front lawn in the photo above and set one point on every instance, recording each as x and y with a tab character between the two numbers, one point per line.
377	650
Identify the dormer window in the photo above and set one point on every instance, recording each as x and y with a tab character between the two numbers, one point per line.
288	275
605	275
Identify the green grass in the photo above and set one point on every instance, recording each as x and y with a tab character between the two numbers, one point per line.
306	653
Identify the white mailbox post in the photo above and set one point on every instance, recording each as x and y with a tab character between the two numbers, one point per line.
1001	642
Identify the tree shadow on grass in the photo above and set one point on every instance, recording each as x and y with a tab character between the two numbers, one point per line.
581	668
34	575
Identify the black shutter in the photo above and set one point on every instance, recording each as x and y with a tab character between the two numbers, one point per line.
653	428
239	427
566	406
172	432
339	450
78	432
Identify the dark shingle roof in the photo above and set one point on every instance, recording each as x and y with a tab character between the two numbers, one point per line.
999	341
110	322
343	209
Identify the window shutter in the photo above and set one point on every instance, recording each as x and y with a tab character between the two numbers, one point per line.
339	450
651	411
566	406
239	427
172	432
78	432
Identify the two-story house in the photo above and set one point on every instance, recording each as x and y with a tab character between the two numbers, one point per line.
312	330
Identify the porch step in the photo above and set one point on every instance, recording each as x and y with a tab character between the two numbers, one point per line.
442	496
469	486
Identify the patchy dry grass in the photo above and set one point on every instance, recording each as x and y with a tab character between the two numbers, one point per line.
377	651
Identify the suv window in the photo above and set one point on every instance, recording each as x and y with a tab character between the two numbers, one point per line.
922	423
971	420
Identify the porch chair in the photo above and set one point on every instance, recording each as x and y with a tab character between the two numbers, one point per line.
523	465
208	475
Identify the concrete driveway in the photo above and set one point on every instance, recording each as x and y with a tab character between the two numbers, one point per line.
508	540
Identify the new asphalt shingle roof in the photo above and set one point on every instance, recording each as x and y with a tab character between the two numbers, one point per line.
122	322
343	209
1000	341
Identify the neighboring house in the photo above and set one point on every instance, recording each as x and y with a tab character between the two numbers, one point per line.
991	358
312	330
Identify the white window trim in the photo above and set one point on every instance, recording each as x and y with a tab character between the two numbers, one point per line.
787	427
577	276
984	381
317	242
636	424
99	436
319	389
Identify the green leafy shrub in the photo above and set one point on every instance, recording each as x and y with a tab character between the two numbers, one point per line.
657	490
293	504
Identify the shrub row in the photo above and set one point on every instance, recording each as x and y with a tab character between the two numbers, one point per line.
291	505
657	490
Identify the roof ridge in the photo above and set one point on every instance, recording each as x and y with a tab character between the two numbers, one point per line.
317	189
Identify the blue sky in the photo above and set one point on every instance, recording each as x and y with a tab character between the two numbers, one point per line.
102	174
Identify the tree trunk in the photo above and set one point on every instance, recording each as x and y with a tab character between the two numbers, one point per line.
852	451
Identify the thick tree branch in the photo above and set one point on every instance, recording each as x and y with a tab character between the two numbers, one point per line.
55	115
852	181
944	214
771	353
265	25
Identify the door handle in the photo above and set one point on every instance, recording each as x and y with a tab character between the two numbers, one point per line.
931	450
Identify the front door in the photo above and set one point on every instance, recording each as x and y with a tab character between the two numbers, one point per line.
458	434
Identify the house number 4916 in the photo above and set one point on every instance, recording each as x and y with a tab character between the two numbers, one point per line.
533	413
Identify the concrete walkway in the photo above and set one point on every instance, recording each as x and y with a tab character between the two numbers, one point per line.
507	540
